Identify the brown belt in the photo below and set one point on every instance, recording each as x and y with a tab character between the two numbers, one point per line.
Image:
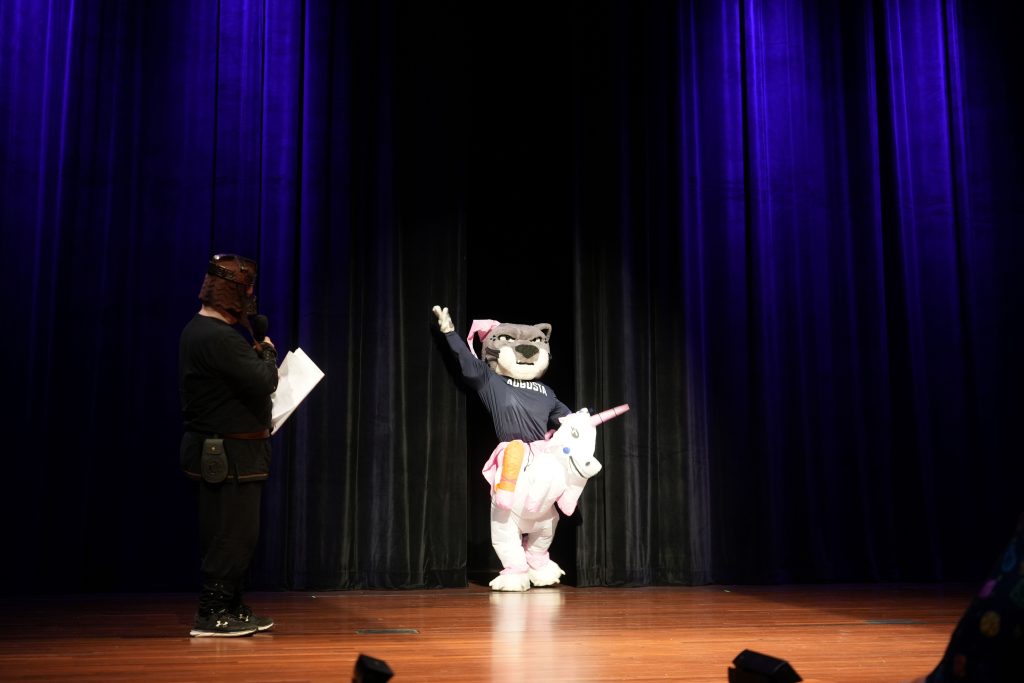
248	436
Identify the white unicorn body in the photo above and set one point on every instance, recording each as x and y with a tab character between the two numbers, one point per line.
539	476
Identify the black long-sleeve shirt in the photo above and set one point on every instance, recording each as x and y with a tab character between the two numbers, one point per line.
225	388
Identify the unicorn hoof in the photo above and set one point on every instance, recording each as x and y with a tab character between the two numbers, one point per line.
512	583
548	575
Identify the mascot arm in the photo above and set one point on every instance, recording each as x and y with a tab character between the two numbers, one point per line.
559	410
474	370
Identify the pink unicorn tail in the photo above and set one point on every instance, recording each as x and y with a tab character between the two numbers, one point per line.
606	415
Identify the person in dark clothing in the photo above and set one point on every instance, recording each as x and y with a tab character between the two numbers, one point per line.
225	384
987	645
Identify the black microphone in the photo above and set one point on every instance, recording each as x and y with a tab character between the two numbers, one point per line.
259	327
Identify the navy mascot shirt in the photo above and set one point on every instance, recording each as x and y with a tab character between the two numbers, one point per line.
521	409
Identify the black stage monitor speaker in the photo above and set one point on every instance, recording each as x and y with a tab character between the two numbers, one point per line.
754	667
370	670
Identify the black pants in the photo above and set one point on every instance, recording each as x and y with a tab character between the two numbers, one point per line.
229	526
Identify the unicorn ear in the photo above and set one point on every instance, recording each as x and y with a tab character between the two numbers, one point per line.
562	419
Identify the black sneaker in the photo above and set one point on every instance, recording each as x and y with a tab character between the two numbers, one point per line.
221	625
246	616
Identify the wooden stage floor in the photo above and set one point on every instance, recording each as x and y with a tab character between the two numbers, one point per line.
855	634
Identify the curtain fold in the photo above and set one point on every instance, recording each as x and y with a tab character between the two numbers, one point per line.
780	253
138	139
786	233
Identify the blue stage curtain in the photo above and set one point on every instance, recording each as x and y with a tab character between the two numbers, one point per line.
139	138
800	270
787	233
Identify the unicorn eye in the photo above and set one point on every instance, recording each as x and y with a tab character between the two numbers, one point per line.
537	339
505	337
575	433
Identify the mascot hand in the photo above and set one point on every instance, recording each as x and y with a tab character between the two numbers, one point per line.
444	321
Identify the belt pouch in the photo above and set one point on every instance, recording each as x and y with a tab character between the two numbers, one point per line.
214	463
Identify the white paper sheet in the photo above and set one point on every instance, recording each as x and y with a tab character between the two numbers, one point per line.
296	377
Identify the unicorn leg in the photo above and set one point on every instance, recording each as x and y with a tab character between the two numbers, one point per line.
507	540
543	570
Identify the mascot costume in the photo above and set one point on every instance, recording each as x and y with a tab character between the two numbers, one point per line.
534	467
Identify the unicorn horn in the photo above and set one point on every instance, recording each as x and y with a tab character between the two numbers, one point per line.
606	415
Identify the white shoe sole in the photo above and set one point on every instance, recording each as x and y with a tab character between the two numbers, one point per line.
200	633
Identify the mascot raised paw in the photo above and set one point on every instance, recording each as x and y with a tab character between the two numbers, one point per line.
532	469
